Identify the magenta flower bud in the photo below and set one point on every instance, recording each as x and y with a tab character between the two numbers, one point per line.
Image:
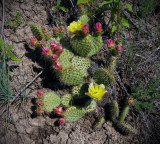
58	49
98	27
110	43
61	121
57	66
39	93
33	41
46	51
53	45
58	110
119	49
54	57
85	29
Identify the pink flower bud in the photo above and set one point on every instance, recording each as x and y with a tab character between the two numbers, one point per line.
53	45
119	49
58	110
57	66
110	43
61	121
39	93
33	41
58	49
42	43
98	27
85	29
54	57
46	51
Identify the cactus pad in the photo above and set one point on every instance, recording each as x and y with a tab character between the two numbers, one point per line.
73	114
37	32
114	110
82	63
102	76
124	128
71	76
91	106
81	44
86	45
96	45
66	99
50	102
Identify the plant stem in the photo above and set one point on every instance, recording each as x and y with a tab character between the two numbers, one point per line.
124	113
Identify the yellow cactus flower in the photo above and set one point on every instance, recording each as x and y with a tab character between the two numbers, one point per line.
96	91
75	26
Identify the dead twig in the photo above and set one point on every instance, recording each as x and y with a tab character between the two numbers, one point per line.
12	100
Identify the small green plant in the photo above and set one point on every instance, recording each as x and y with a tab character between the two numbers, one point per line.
6	51
117	22
84	1
17	20
145	94
59	6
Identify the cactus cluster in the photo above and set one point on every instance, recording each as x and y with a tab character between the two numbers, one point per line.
119	124
72	68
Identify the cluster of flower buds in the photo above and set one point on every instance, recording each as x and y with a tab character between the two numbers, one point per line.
39	102
58	30
59	111
56	50
110	44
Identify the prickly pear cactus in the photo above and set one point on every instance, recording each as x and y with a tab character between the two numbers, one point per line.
82	63
50	102
37	32
114	110
66	100
86	45
125	129
71	76
102	76
73	114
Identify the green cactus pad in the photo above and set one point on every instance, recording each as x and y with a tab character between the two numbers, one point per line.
73	114
82	45
50	102
64	60
91	106
66	100
102	76
96	45
86	45
114	110
125	129
37	32
82	63
99	123
71	76
76	89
